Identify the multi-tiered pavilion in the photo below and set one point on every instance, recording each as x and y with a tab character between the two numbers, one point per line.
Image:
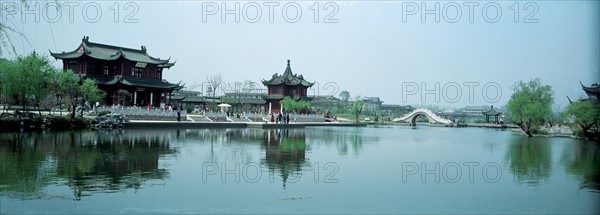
116	68
287	84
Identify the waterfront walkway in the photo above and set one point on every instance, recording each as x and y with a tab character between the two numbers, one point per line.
189	124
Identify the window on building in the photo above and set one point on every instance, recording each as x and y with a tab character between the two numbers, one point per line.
105	70
138	72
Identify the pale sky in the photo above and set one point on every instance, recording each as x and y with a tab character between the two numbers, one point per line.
374	49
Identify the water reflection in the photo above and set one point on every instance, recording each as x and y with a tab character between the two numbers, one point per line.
166	166
583	159
87	162
346	140
529	159
285	153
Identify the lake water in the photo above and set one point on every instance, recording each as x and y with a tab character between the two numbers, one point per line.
311	170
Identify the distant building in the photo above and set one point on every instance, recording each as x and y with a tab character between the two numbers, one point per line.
371	104
479	114
245	102
116	68
389	109
287	84
187	98
327	103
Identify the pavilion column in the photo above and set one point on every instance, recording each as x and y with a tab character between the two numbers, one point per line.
270	107
151	98
135	98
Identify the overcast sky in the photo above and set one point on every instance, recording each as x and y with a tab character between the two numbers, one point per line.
382	48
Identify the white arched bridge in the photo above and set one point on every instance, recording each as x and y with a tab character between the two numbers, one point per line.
412	117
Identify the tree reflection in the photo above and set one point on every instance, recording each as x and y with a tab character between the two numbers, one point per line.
583	159
23	169
285	152
529	160
88	162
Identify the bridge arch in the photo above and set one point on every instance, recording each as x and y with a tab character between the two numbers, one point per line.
412	117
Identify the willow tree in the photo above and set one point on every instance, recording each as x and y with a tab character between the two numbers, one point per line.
584	114
530	105
357	107
24	81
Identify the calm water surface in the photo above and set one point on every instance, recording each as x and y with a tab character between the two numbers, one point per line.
312	170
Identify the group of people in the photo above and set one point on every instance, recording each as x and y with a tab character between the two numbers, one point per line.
280	118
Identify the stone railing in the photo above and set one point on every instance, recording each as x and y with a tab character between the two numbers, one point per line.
138	111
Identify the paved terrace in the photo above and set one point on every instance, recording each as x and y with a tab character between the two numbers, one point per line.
157	114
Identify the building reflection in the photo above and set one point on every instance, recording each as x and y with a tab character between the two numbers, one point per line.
583	159
285	153
529	160
89	162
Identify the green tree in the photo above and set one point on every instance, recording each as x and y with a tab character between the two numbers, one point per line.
9	81
35	70
530	105
357	107
69	86
53	86
585	114
292	104
91	93
24	81
345	96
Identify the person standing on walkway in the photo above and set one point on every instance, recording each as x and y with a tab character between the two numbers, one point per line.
280	116
178	115
287	118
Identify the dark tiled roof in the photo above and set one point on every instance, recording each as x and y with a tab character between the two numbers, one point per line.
132	81
591	90
372	99
109	53
491	112
288	78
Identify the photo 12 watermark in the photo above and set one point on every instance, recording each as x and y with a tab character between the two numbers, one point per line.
451	172
69	11
451	92
472	11
213	88
254	172
269	11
